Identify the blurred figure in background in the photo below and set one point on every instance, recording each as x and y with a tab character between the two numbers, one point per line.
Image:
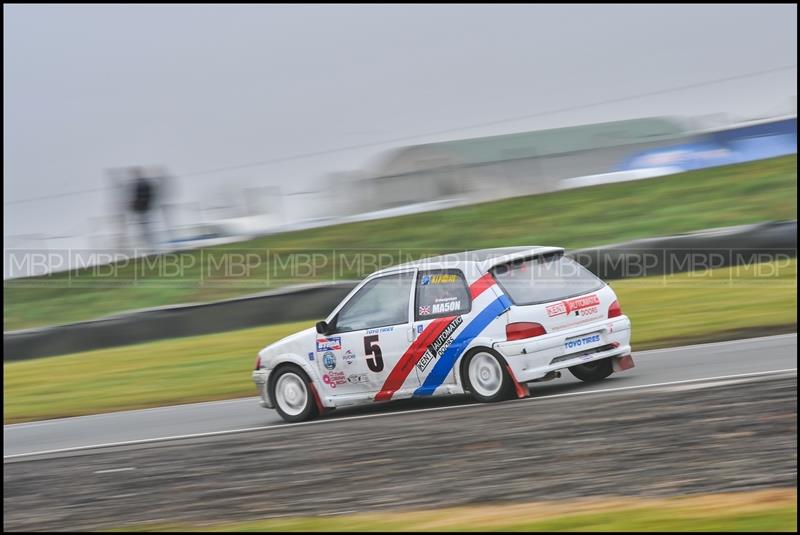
143	198
143	214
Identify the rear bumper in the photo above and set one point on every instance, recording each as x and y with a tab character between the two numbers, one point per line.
261	379
533	358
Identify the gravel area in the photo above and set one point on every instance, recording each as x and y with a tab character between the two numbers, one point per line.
654	442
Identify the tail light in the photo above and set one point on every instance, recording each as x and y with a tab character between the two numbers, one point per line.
614	310
258	362
520	330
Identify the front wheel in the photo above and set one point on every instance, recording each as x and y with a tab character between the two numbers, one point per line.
593	371
292	395
486	378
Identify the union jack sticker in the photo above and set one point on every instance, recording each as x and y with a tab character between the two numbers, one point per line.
424	310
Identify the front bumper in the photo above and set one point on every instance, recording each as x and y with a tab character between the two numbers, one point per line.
261	379
533	358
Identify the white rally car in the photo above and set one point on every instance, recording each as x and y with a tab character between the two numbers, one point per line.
484	323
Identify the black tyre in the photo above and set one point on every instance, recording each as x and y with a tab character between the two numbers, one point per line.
593	371
485	376
291	394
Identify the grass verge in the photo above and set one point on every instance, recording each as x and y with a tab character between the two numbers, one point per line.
766	510
731	195
690	307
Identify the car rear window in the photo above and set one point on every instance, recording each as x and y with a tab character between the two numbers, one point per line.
543	279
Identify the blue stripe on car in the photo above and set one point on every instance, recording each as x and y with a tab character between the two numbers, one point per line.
446	362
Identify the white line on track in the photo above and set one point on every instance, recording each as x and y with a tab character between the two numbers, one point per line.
250	399
114	470
740	341
707	384
709	380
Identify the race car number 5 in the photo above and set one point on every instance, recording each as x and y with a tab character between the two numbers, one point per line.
373	353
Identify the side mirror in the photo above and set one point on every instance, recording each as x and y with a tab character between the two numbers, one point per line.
322	327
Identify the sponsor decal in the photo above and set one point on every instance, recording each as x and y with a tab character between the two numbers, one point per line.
357	378
329	360
380	330
439	279
331	343
439	344
574	306
574	343
310	355
334	378
419	328
349	356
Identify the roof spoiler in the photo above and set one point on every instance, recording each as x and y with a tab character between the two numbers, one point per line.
521	255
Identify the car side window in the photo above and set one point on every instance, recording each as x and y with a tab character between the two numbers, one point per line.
381	302
441	292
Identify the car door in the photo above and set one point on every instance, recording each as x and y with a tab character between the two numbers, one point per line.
441	304
367	336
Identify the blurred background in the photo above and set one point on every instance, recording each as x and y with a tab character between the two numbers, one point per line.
295	117
184	184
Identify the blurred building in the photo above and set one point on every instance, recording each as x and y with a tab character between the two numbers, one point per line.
486	168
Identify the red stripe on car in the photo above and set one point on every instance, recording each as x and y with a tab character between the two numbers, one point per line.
478	287
410	358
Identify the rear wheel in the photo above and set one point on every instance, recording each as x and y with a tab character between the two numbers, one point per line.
291	394
593	371
485	377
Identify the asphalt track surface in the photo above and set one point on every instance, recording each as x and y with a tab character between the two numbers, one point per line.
712	418
698	362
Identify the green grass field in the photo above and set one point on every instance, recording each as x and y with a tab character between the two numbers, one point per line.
684	308
765	510
746	193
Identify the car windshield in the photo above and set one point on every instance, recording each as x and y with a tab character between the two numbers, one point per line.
544	279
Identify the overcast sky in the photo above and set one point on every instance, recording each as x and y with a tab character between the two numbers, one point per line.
203	87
